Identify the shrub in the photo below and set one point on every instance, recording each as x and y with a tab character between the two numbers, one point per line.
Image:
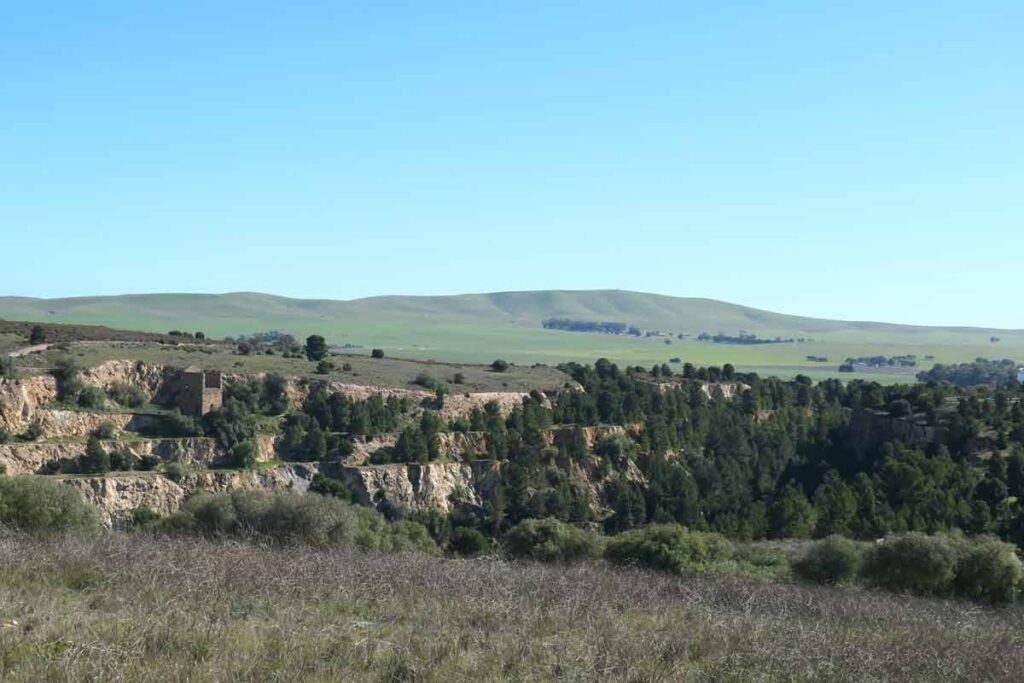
243	455
33	432
900	408
43	505
7	368
96	459
377	353
407	535
106	430
616	447
289	518
425	380
328	486
459	378
500	365
66	373
126	395
468	542
284	517
143	516
668	547
148	462
550	540
123	459
346	367
911	563
177	425
37	335
232	424
91	397
324	367
989	571
830	561
174	471
316	347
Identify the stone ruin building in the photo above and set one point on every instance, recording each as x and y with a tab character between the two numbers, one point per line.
196	392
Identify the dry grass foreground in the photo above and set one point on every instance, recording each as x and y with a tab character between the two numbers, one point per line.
134	607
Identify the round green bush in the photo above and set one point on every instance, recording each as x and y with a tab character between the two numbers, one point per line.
41	505
669	547
989	571
912	563
549	540
830	561
281	517
408	535
468	542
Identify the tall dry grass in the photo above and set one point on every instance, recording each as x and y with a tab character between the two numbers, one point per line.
135	607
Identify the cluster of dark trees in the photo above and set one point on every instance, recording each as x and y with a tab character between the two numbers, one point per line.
785	459
981	371
584	326
789	458
743	338
906	361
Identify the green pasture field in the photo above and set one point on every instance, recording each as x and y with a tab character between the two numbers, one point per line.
480	328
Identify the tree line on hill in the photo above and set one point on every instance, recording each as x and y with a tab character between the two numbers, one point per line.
980	371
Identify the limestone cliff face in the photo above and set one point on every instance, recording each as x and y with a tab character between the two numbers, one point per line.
462	446
727	389
458	405
43	457
566	436
118	495
20	399
149	377
422	486
286	477
75	424
451	446
363	447
39	457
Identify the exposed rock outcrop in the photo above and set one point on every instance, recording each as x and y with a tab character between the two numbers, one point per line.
20	399
76	424
148	377
451	446
37	456
566	435
42	456
118	495
462	446
422	486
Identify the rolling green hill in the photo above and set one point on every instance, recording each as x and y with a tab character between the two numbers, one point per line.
479	327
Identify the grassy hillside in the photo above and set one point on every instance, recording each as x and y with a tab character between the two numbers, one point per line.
140	607
479	327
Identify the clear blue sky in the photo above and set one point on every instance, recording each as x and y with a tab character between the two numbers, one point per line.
849	160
